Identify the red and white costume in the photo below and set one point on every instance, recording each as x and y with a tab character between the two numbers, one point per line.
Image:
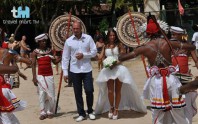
162	86
9	104
161	89
45	79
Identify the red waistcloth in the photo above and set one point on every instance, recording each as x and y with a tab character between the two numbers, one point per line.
5	105
165	72
44	66
182	62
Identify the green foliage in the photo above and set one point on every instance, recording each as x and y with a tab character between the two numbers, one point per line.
103	25
109	1
119	3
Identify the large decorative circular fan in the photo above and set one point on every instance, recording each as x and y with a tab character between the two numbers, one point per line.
125	29
58	30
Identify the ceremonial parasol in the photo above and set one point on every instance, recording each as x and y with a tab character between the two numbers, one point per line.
58	30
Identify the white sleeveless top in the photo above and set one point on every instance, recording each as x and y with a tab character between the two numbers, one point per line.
112	52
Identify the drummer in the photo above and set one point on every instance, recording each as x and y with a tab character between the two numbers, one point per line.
180	58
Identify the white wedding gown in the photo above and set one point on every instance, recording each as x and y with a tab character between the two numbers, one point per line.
130	97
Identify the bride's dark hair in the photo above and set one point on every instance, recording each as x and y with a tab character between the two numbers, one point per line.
116	36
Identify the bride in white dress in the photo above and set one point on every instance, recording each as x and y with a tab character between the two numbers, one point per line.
116	83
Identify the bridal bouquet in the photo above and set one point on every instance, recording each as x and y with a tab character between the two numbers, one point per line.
109	61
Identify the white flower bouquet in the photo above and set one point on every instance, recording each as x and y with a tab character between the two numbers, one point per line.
109	61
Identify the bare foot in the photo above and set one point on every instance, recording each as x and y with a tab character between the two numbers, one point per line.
42	117
50	116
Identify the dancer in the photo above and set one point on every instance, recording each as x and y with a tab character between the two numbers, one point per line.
9	104
8	101
184	74
44	78
80	48
117	79
162	86
10	56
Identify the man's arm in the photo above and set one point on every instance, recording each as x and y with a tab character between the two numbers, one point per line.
136	52
5	69
65	58
185	46
191	86
193	38
33	56
55	59
93	51
18	58
194	56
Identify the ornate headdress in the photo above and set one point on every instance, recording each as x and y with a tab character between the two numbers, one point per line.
41	37
151	27
177	30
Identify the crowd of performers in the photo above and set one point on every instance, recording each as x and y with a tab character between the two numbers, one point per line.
169	87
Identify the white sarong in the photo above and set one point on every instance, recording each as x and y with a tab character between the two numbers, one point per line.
46	90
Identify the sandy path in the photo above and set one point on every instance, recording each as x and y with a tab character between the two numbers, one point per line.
67	114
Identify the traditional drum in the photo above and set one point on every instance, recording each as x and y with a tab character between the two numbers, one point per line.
183	63
58	30
125	29
185	78
184	73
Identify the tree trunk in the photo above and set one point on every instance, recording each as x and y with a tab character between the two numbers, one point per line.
112	19
134	5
